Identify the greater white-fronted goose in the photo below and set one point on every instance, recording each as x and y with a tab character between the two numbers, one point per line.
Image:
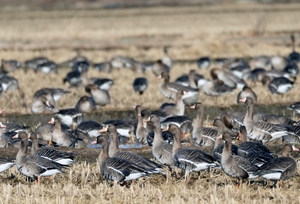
278	62
167	59
292	69
223	129
124	127
262	61
33	63
70	116
140	84
9	66
47	67
88	129
100	96
56	93
184	80
161	150
203	136
5	164
188	158
234	165
63	158
279	85
159	67
6	138
173	109
281	168
261	131
101	83
232	120
86	104
8	83
81	66
61	136
141	132
103	67
203	62
43	104
114	151
246	92
169	90
73	78
228	78
70	63
294	56
34	165
121	62
218	149
44	132
239	71
117	169
215	88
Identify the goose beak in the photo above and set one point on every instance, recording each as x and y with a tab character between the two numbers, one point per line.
193	106
16	136
51	121
104	129
139	115
243	100
183	136
158	77
239	136
133	107
2	126
295	149
28	135
219	137
48	104
94	142
147	120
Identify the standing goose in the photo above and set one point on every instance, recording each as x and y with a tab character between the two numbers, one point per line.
101	83
140	84
169	90
246	92
203	136
42	104
63	158
159	67
218	149
141	132
261	131
114	151
281	168
173	109
117	169
61	136
161	150
34	165
189	159
100	96
215	88
234	165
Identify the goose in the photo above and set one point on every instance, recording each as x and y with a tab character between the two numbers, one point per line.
279	85
103	67
70	63
239	71
121	62
114	151
295	107
294	56
189	159
246	92
9	66
203	62
6	139
63	158
292	69
281	168
56	93
278	62
101	83
100	96
228	78
9	83
215	88
140	84
61	136
73	78
70	117
184	80
117	169
256	75
169	90
47	67
218	123
33	63
34	165
203	136
44	132
5	164
88	129
261	61
141	132
261	131
43	104
166	58
218	149
234	165
232	120
81	66
86	104
161	150
159	67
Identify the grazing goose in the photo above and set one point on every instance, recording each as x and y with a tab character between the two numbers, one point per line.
61	136
140	84
117	169
73	78
218	149
81	66
34	165
47	67
56	93
234	165
71	62
203	62
261	131
262	61
279	85
189	159
281	168
215	88
9	66
232	120
114	151
5	164
43	104
101	83
9	83
63	158
33	63
246	92
224	76
100	96
86	104
239	71
169	90
103	67
203	136
71	117
161	150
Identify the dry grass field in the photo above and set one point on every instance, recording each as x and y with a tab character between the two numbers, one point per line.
242	30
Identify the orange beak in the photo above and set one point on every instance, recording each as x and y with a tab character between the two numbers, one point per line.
104	129
193	106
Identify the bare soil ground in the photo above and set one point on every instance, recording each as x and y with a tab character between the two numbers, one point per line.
241	30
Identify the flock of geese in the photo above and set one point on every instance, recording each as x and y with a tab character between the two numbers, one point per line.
175	139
